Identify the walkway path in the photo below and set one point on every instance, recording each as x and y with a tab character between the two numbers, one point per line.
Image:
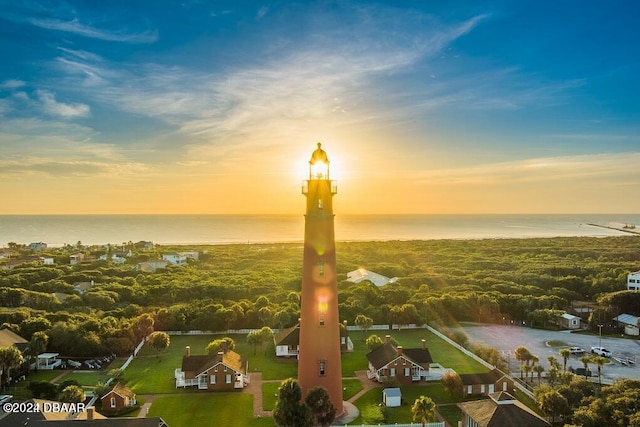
255	388
367	385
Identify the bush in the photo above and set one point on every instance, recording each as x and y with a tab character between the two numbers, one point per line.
43	389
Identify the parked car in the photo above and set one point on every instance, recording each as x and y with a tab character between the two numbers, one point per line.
601	351
577	350
4	398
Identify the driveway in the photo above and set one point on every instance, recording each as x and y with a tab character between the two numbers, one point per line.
506	338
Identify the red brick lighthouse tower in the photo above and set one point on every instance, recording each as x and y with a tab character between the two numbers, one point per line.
319	359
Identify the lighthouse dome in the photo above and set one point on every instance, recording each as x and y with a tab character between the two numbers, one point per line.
319	155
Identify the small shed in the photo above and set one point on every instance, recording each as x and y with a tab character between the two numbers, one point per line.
391	397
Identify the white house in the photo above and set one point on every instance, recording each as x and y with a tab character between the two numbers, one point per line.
570	321
48	361
357	276
175	259
633	281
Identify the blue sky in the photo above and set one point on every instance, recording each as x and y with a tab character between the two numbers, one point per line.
423	107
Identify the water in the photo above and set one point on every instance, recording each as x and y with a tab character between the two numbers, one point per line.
57	230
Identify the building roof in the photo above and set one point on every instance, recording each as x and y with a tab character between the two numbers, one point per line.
357	276
121	390
202	363
485	378
392	392
569	316
502	410
387	353
9	338
288	336
627	319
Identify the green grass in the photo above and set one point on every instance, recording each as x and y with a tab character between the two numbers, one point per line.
85	378
20	391
219	409
451	413
555	343
441	351
410	393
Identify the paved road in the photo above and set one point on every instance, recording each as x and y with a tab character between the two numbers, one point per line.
507	338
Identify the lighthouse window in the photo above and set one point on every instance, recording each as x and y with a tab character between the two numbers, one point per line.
321	267
322	320
320	204
322	367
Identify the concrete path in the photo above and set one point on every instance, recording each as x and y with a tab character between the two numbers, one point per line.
367	385
255	388
144	409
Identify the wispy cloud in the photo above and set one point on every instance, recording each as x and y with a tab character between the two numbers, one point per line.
35	166
76	27
12	84
54	108
583	168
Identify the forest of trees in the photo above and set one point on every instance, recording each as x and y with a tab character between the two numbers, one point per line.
251	286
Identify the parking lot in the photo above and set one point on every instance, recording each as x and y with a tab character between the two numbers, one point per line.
506	338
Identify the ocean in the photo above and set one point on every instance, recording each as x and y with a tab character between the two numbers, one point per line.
57	230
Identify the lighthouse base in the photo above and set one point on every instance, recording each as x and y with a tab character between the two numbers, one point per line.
349	413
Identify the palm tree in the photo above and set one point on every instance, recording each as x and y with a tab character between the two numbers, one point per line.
10	358
534	360
522	354
527	368
600	361
586	359
565	353
37	345
423	409
539	369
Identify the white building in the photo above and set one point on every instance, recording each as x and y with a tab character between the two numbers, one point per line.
361	274
633	281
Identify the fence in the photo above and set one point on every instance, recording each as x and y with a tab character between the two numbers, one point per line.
439	424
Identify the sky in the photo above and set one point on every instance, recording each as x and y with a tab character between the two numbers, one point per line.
423	107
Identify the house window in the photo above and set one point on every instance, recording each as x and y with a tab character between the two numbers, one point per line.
322	367
392	372
407	372
113	402
227	378
504	386
469	389
213	379
482	388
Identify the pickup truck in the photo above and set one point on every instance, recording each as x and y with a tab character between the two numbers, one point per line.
577	350
601	351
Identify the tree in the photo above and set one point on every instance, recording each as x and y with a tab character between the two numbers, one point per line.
289	411
586	359
522	354
600	361
10	358
565	353
539	369
321	407
254	339
364	322
553	403
373	342
37	345
423	409
72	394
221	344
143	326
452	382
159	341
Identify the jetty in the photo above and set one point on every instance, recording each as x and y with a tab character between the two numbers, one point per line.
624	229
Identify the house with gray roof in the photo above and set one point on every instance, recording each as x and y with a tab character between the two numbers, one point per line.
404	365
500	410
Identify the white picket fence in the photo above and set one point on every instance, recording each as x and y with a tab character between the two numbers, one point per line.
438	424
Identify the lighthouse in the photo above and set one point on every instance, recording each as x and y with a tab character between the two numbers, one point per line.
319	362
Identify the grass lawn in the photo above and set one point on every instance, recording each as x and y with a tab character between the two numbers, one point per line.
451	413
441	351
20	391
410	393
219	409
85	378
